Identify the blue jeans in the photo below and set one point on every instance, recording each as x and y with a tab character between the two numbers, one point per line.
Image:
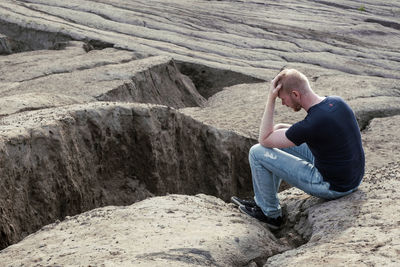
295	165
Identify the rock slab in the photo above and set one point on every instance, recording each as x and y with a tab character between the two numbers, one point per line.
50	78
173	230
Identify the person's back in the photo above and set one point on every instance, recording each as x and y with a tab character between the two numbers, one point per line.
331	132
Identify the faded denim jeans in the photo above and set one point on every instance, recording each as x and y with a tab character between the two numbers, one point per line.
295	165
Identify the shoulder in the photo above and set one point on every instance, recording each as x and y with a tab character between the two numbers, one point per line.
328	106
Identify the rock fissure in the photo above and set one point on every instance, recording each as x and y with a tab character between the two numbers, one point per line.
66	159
80	142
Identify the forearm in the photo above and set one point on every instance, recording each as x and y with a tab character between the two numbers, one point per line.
267	121
281	126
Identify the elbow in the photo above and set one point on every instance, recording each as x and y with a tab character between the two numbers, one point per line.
261	141
264	143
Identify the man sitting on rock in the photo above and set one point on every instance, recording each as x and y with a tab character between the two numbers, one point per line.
321	155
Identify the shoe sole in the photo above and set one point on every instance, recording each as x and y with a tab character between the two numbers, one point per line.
237	203
270	226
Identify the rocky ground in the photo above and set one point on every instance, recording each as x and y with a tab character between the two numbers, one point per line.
203	65
177	230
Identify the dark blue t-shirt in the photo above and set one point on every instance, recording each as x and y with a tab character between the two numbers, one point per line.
331	132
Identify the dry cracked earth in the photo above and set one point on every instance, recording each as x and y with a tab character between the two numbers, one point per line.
125	128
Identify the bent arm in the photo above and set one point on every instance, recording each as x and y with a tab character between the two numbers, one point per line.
277	139
281	126
270	135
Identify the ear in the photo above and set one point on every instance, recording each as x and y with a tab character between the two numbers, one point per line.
296	93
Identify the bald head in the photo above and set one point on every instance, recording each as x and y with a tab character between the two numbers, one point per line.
293	80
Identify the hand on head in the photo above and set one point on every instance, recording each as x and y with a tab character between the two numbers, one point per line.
275	87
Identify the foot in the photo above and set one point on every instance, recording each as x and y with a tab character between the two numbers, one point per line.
256	212
243	202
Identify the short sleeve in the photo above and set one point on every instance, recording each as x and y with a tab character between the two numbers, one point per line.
298	133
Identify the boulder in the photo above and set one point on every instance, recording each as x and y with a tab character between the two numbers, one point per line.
63	161
173	230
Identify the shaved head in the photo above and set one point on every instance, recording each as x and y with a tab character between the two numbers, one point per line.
293	80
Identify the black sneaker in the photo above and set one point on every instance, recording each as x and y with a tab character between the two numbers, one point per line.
256	212
243	202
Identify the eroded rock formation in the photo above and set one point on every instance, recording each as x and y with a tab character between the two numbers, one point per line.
359	229
177	230
60	161
72	75
252	37
174	230
64	161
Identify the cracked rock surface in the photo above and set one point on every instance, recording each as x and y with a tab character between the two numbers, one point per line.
65	150
63	161
360	229
252	37
49	78
173	230
177	230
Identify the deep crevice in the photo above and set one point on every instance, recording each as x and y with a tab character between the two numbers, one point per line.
19	39
210	81
23	39
364	118
385	23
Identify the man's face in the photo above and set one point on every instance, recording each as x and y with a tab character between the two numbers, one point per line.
289	100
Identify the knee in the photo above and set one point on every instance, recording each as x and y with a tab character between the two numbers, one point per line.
255	151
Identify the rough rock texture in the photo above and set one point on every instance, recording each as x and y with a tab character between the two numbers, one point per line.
246	36
64	161
357	230
381	141
73	75
5	47
357	44
173	230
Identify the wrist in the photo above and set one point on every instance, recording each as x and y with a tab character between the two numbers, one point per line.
271	98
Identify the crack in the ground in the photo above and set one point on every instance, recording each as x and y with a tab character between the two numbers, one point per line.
82	68
385	23
289	233
365	120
